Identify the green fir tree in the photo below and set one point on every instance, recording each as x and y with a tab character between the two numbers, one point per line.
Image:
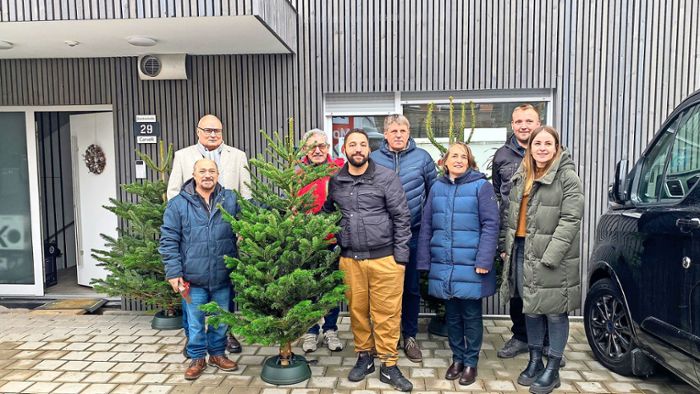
285	276
132	259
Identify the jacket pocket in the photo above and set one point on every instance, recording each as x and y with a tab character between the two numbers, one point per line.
379	231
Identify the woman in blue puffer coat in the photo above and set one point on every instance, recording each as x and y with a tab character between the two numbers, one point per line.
457	243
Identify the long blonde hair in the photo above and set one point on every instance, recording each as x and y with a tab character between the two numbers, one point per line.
471	161
529	164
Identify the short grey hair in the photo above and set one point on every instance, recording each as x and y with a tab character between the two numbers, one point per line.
311	132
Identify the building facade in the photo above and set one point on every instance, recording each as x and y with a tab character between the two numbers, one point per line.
605	74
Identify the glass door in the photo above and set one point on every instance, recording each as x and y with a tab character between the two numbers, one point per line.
21	271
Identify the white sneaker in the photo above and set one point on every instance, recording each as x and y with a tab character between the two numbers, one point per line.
330	338
310	342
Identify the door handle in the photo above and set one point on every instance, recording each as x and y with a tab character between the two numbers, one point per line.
685	262
687	225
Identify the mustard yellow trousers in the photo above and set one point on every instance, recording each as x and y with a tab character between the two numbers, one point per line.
374	293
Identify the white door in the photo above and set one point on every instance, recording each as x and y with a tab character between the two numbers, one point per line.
91	190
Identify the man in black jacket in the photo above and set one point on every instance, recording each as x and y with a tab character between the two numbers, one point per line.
374	232
506	161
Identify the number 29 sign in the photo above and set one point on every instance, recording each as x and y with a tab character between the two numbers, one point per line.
146	129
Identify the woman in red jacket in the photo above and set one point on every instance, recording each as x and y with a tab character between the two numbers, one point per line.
316	146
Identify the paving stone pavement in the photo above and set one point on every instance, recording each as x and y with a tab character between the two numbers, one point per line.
118	352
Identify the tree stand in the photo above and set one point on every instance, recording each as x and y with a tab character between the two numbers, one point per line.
165	321
285	368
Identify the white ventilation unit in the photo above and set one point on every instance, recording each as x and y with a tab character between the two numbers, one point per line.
152	67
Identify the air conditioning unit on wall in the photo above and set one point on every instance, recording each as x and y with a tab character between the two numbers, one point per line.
153	67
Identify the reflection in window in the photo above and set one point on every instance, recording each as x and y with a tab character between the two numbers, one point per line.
372	125
684	165
488	115
16	264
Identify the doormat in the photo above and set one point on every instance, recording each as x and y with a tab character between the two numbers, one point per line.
74	305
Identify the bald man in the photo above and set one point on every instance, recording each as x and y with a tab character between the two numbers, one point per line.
232	162
233	175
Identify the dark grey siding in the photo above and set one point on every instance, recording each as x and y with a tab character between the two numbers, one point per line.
615	68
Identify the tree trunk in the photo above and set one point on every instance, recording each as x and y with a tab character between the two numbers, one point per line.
286	354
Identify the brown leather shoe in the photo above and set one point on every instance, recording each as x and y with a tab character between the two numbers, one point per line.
222	363
454	371
468	376
197	366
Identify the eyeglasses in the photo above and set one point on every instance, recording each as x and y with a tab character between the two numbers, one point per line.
211	131
321	146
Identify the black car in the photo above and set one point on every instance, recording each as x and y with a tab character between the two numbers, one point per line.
643	300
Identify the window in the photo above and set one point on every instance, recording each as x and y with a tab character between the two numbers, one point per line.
672	166
488	116
372	125
684	164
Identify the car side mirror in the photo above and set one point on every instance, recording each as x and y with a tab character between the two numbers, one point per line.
617	192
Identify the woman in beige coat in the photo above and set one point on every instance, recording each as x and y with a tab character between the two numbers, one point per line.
540	240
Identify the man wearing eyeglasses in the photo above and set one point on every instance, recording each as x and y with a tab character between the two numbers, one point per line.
233	175
316	148
232	162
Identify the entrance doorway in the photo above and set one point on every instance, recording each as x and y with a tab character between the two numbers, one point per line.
77	177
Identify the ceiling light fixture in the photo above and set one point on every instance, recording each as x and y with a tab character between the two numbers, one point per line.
6	45
141	41
72	43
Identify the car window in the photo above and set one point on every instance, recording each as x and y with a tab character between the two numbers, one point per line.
684	164
652	172
672	166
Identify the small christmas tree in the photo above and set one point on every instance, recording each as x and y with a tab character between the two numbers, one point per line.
132	259
285	276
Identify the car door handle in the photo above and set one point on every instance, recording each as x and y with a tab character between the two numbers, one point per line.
689	224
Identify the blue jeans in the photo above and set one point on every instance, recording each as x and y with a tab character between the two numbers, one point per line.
465	329
330	322
410	303
231	308
213	339
556	324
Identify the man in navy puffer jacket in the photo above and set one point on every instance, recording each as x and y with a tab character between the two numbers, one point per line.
193	242
417	172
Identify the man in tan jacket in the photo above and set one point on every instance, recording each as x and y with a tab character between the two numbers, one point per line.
232	162
233	175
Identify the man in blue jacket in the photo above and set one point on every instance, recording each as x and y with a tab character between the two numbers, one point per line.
193	242
416	170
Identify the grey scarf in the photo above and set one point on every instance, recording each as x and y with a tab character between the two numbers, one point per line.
211	154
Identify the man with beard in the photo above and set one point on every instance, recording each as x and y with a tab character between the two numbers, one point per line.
194	239
374	232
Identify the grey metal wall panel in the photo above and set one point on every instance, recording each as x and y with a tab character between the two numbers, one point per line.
616	69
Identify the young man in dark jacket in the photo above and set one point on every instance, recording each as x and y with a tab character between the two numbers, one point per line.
417	172
193	242
374	232
506	161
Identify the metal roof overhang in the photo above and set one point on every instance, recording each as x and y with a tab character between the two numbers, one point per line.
209	35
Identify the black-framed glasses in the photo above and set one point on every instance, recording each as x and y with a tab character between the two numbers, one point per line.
211	131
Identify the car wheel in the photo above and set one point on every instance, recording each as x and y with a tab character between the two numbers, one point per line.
608	327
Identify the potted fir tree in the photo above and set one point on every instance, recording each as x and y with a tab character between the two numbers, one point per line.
132	259
285	276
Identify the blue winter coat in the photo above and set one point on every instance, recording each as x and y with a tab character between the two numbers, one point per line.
416	170
459	232
194	240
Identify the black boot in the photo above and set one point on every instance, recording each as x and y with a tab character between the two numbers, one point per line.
534	368
549	379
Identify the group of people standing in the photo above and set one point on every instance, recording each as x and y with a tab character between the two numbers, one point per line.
399	217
